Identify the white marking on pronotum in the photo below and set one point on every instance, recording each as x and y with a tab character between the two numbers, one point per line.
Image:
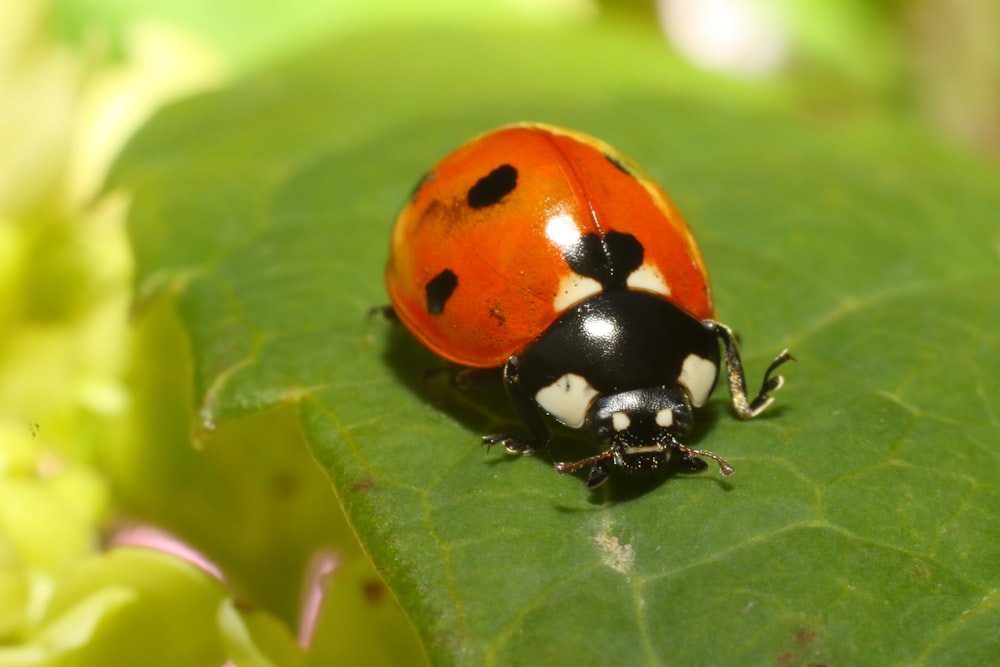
614	554
698	376
647	449
620	421
648	278
574	288
567	399
665	418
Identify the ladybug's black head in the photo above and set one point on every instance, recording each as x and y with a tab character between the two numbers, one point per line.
640	417
642	428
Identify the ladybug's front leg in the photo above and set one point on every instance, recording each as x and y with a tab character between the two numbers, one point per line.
528	410
737	381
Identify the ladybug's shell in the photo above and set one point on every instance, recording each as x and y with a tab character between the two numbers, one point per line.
478	272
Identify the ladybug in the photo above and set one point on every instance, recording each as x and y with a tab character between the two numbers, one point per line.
547	258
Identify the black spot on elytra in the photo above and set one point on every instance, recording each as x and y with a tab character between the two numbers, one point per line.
439	290
609	261
492	187
619	165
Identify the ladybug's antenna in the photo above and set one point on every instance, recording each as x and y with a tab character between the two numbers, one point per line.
564	468
724	466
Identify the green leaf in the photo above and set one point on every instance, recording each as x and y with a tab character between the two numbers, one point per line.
860	525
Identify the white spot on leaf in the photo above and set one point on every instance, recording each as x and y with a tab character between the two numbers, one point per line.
614	554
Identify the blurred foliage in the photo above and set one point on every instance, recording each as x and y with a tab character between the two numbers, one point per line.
937	60
95	418
95	400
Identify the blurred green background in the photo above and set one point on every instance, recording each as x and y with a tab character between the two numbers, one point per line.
101	453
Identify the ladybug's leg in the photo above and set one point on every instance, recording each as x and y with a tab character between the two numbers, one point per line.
689	458
386	312
692	463
599	469
466	378
529	413
737	381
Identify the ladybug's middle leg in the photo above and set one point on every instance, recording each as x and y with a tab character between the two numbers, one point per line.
528	410
465	378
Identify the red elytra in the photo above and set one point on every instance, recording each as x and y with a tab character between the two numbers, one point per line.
477	267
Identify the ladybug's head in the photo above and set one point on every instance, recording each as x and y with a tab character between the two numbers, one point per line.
642	428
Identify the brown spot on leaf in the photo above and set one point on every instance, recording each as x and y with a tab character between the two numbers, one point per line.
362	485
373	590
805	636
